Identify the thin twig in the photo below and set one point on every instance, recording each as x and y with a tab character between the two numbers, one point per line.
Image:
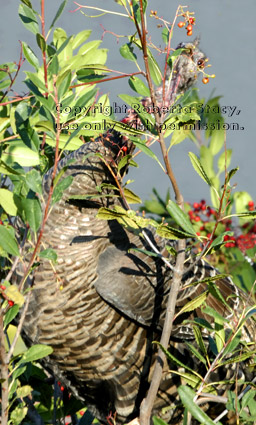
19	328
3	373
148	402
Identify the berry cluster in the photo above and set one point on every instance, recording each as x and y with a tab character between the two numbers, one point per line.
201	216
189	22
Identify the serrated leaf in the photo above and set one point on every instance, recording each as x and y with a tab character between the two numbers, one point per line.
180	217
190	379
169	232
195	352
131	197
8	242
193	304
14	294
174	359
30	55
195	161
7	202
36	352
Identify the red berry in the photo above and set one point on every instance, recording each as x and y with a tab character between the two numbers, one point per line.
2	287
124	148
205	80
62	388
81	412
202	228
195	205
11	303
197	218
192	20
198	233
250	204
181	24
251	208
189	33
189	27
203	201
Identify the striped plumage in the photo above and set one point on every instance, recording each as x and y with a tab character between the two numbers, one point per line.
101	306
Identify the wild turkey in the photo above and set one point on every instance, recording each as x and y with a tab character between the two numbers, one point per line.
101	305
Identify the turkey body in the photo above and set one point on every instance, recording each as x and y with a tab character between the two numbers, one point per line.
100	305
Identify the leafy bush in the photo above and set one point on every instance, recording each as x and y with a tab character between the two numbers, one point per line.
59	114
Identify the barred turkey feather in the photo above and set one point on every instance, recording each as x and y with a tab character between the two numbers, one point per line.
102	305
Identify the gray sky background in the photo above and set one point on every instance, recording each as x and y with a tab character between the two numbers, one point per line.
228	34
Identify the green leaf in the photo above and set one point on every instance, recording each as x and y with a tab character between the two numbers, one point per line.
172	233
174	359
180	217
59	12
24	391
28	18
36	352
11	314
145	149
137	85
217	135
30	55
70	146
195	161
187	397
8	241
193	304
127	52
207	160
154	69
195	352
80	38
33	213
131	197
211	312
49	254
158	421
7	202
60	187
34	181
18	414
231	173
165	35
34	78
222	160
41	42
